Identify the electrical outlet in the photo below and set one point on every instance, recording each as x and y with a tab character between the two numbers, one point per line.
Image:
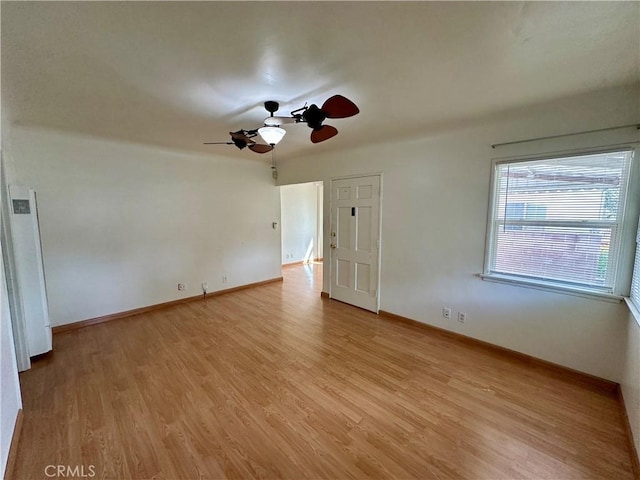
446	312
224	279
462	316
182	286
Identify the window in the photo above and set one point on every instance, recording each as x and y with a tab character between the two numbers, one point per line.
520	210
514	211
635	283
557	221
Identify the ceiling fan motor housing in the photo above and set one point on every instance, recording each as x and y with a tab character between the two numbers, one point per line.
314	117
239	143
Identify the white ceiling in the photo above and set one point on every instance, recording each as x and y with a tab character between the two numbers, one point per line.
177	74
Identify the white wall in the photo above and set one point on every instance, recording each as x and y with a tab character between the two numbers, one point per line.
434	213
10	400
630	381
299	222
122	224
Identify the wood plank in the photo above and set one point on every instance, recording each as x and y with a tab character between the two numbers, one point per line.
553	368
276	382
13	447
294	264
633	451
150	308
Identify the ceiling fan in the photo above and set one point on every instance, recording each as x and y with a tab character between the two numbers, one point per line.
242	139
335	107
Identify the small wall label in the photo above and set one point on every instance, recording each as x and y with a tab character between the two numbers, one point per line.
21	207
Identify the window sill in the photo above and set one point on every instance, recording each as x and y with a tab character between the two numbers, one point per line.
635	311
551	287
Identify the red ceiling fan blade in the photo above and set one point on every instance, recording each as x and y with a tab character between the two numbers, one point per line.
260	148
339	107
323	133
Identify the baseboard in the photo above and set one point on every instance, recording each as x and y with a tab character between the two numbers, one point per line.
324	295
293	264
301	262
137	311
581	377
13	448
633	452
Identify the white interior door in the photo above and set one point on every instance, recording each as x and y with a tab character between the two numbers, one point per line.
355	241
27	250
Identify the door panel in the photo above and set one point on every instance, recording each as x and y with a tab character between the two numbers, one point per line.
343	230
342	273
363	229
363	277
344	193
355	231
364	191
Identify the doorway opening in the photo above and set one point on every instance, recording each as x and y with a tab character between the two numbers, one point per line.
301	219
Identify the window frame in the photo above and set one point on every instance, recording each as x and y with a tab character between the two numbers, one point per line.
627	193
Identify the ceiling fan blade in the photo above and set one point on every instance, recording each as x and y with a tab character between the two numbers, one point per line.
323	133
339	107
241	137
260	148
218	143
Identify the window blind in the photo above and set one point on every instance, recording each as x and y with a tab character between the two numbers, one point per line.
559	219
635	283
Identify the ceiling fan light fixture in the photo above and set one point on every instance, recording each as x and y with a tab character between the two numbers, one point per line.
272	135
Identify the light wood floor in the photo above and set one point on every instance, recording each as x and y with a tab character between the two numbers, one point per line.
275	382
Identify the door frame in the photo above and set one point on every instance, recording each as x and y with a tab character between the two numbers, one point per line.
327	234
